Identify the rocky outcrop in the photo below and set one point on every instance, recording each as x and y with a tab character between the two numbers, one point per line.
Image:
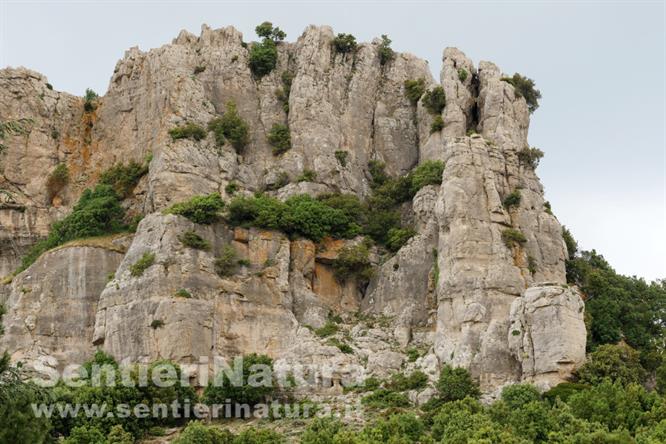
456	290
547	333
52	305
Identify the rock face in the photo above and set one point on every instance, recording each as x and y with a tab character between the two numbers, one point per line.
455	290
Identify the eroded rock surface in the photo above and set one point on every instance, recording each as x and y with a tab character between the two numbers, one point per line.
455	291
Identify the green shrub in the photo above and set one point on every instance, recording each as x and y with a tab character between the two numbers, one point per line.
518	395
142	264
266	30
157	323
308	217
199	209
227	263
307	176
512	200
191	239
223	388
342	346
437	124
618	363
384	398
462	74
123	178
283	93
397	237
455	384
572	245
182	293
330	328
377	173
413	354
513	238
349	204
414	381
530	157
414	89
90	101
379	224
279	138
197	432
57	180
353	262
531	264
386	54
563	391
188	131
259	436
344	43
524	87
85	435
341	157
230	126
98	212
428	173
263	58
259	211
231	188
434	100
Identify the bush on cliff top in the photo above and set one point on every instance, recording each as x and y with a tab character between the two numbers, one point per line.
524	87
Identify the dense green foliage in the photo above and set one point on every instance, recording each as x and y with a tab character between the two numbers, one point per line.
241	391
307	176
530	157
619	307
435	100
414	89
344	43
199	209
263	56
524	87
123	178
386	54
230	126
617	363
279	138
98	212
188	131
454	384
266	30
300	215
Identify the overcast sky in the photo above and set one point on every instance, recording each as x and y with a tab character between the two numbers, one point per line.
599	65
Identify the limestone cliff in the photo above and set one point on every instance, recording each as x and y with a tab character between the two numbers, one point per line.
456	290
